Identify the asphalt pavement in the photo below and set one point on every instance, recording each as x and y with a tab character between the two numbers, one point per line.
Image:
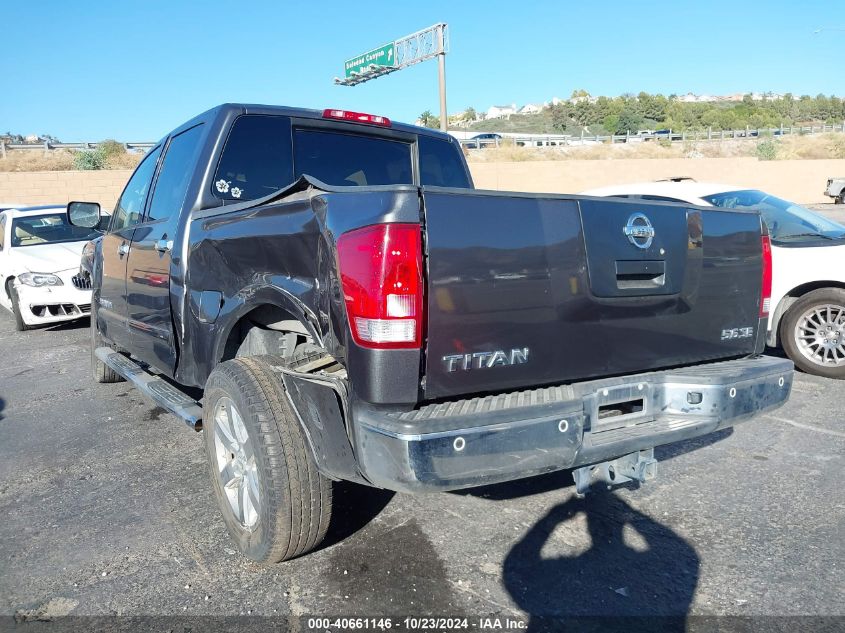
106	510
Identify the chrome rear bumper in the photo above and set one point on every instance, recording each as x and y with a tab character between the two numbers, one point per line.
475	442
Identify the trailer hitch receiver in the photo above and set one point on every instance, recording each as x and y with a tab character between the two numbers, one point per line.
640	466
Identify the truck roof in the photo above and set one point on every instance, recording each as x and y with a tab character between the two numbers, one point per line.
225	110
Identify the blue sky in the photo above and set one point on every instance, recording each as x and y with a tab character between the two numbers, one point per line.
134	70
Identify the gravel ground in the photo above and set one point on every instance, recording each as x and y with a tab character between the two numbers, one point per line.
107	510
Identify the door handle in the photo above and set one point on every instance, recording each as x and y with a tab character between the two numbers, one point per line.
163	245
123	249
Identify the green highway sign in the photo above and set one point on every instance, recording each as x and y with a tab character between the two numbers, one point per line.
384	56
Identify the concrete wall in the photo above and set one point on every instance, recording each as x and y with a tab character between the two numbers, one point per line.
801	181
46	187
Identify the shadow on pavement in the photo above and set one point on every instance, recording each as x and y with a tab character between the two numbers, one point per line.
668	451
635	573
2	406
353	507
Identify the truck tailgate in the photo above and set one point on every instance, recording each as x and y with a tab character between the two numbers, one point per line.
527	290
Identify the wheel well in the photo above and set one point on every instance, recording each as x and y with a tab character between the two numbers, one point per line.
7	286
266	329
791	297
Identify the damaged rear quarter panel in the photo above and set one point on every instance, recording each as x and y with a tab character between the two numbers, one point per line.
283	253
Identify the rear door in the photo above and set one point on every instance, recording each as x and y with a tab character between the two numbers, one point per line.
533	290
111	297
150	257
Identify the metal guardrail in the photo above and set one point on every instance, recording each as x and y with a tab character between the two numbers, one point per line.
46	146
528	140
565	140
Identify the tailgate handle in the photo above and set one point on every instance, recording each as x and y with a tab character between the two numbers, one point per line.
640	274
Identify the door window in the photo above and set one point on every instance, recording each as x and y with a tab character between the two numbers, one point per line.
176	169
130	207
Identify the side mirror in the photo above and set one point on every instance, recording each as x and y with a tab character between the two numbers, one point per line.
84	214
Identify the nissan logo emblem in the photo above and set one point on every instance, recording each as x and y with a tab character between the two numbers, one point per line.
639	230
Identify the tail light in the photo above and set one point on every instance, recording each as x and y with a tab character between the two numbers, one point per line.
381	275
766	290
356	117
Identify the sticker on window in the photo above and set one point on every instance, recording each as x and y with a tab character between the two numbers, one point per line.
223	186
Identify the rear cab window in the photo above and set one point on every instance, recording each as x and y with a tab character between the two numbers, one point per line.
351	159
264	153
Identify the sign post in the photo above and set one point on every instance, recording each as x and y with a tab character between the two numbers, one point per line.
441	75
406	51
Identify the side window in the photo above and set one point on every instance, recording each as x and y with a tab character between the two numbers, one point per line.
440	163
131	204
172	183
2	230
256	160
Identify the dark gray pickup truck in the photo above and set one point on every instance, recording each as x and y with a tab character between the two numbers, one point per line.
327	295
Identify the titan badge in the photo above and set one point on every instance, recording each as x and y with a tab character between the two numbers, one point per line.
486	360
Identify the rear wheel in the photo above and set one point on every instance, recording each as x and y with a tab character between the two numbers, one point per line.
840	199
275	503
20	326
813	332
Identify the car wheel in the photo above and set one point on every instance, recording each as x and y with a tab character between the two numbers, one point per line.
275	503
100	371
20	326
813	332
840	199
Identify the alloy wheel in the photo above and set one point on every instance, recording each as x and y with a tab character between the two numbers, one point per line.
820	334
236	465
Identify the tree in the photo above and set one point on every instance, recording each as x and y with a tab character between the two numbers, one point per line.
561	116
584	112
427	119
629	121
470	114
602	108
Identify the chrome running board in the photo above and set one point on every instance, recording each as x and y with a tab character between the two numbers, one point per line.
157	389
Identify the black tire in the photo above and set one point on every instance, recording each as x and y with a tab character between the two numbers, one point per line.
295	500
840	199
20	326
100	371
789	333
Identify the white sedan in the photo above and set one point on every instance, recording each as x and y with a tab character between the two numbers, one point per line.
39	265
808	267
